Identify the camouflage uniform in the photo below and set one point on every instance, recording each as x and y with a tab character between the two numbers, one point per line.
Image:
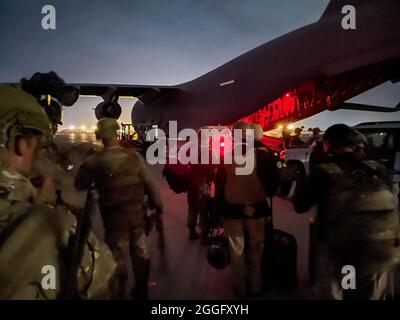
34	235
340	236
123	182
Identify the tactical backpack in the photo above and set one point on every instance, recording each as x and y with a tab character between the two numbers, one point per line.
361	221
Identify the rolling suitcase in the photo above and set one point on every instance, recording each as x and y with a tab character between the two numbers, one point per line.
280	258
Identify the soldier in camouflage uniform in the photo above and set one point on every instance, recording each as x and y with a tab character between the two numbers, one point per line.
33	234
50	162
123	183
357	219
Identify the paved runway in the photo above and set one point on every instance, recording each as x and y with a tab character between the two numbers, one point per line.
189	276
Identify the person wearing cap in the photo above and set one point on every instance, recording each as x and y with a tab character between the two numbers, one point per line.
123	183
317	155
316	136
357	219
34	235
295	141
244	207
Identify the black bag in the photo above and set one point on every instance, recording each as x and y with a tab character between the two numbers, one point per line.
177	176
213	217
280	258
218	252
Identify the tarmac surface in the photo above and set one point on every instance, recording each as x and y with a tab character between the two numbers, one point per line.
187	274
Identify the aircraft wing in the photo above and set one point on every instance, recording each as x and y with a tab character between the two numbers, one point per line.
145	93
365	107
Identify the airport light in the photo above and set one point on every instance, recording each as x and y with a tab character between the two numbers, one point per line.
72	127
290	126
83	127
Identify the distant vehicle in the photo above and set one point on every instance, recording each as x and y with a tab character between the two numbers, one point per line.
297	158
383	144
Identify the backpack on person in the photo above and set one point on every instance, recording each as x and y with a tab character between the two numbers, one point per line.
361	221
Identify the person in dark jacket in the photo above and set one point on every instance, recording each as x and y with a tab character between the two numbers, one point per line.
318	155
316	136
198	195
295	141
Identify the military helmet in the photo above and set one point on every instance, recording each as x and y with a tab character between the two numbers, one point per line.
107	128
258	131
359	138
242	125
339	135
20	111
218	254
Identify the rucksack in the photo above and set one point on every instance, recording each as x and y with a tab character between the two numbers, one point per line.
361	220
266	162
177	176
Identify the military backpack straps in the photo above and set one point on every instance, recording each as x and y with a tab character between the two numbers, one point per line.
266	163
10	228
122	183
361	221
127	171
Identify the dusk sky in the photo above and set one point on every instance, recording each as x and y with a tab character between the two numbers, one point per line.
153	42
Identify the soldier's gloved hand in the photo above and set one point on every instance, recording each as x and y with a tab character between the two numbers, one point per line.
46	192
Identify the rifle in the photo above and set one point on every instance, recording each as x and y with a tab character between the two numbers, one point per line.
161	240
150	221
74	251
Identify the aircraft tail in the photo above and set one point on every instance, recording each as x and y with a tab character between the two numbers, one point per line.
334	7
